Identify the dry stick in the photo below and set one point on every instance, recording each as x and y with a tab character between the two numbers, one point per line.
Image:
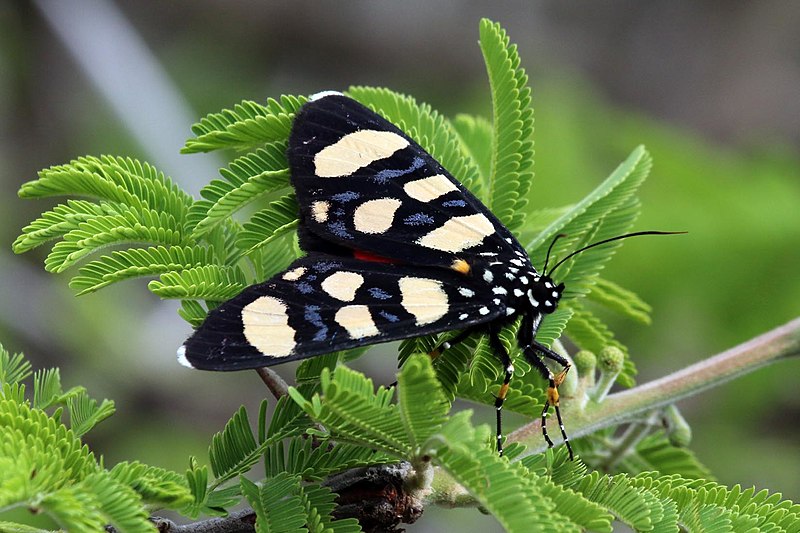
276	385
780	343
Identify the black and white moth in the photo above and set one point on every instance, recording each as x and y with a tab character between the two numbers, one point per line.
396	248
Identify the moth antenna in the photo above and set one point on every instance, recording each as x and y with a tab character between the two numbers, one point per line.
606	241
550	249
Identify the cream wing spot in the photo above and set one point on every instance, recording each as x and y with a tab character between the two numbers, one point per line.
375	216
294	274
357	320
458	233
319	210
266	326
356	150
424	298
343	285
427	189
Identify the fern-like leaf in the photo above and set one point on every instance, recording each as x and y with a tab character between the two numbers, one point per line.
277	504
147	226
423	406
138	262
625	302
210	282
13	368
84	413
512	144
155	485
268	224
231	451
246	126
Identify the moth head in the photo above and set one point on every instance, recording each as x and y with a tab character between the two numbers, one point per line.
545	294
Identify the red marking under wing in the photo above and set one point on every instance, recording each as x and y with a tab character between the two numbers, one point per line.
367	256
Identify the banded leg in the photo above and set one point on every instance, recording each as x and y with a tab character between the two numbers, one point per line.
446	345
505	359
532	356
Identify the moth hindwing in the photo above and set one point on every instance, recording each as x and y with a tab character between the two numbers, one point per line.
395	248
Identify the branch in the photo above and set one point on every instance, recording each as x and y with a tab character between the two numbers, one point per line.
780	343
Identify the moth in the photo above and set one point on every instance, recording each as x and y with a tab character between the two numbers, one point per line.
395	248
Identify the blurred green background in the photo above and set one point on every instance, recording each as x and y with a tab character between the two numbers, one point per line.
711	88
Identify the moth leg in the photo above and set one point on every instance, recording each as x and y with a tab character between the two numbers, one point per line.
532	356
461	337
505	359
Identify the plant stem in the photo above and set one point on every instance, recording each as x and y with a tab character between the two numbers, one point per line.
780	343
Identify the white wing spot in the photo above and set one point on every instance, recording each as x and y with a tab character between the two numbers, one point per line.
488	277
523	280
465	292
458	233
266	326
375	216
319	210
513	270
518	293
509	275
182	357
357	320
294	274
427	189
424	298
483	311
343	285
323	94
499	290
517	262
463	316
496	301
356	150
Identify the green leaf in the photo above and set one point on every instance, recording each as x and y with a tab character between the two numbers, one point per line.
84	413
119	504
136	262
155	485
233	196
507	490
320	503
277	504
511	173
422	404
57	222
13	368
231	451
353	412
117	180
210	282
625	302
268	224
476	137
246	126
147	226
610	195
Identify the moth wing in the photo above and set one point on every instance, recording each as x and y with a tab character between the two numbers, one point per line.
323	303
363	184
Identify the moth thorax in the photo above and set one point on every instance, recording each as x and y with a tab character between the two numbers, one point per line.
544	295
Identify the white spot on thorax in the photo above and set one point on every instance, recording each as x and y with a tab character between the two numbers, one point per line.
356	150
423	298
343	285
518	293
499	290
483	311
266	326
357	320
458	233
427	189
375	216
467	293
488	277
